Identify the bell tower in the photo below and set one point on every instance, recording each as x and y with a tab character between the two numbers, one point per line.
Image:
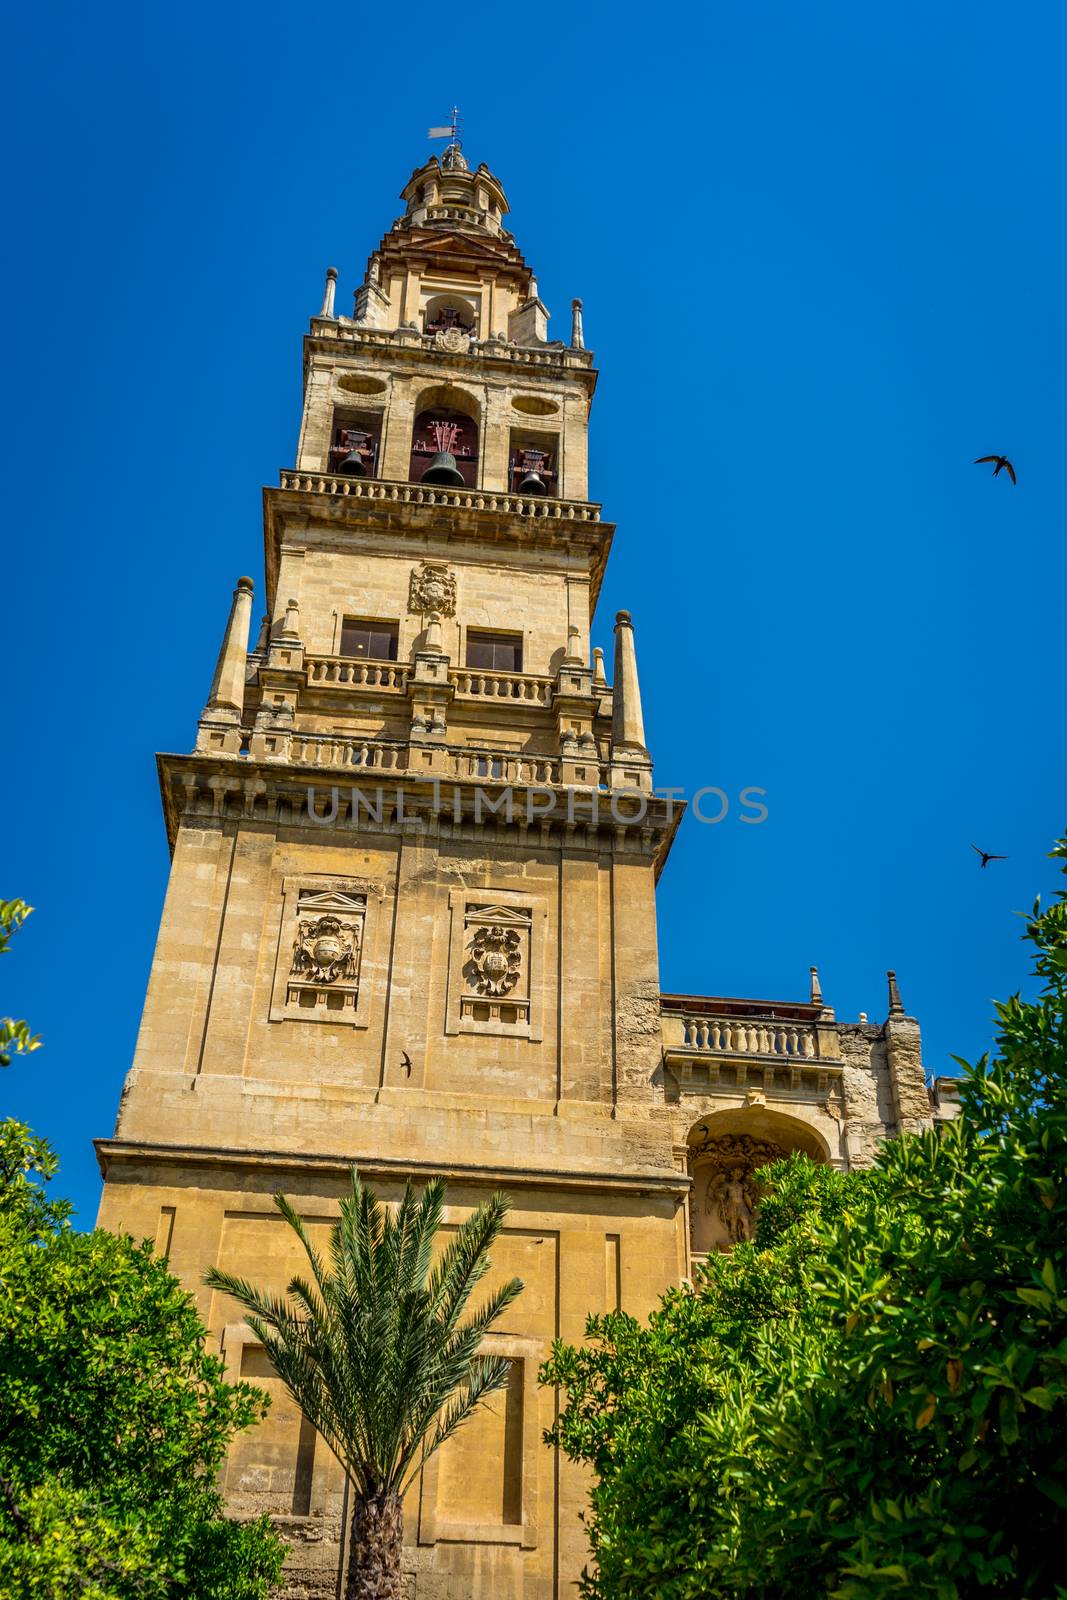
410	921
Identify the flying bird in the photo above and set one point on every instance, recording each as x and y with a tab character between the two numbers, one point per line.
405	1062
1001	461
987	856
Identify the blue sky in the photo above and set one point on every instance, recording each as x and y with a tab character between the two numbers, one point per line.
821	250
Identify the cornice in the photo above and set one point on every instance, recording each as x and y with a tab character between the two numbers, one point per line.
407	347
115	1152
413	509
217	790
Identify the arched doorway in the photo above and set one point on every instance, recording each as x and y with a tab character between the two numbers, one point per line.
723	1152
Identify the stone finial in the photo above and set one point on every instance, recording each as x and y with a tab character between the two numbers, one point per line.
816	987
264	635
863	1016
328	292
291	621
627	722
577	337
599	675
575	655
896	1005
531	293
228	684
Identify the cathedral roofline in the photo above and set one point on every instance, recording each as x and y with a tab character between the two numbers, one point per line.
734	1006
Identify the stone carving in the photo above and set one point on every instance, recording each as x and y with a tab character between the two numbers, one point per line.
496	960
433	590
453	341
325	950
734	1197
732	1194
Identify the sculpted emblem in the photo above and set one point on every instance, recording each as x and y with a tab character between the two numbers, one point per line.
433	589
453	341
325	950
495	961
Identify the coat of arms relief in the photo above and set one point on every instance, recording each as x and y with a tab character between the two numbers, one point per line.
433	591
495	970
325	949
327	946
495	964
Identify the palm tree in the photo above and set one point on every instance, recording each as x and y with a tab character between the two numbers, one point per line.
374	1353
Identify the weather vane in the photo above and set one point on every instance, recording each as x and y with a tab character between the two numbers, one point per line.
450	132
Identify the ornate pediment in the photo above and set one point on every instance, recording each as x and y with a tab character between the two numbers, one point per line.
335	900
507	916
453	248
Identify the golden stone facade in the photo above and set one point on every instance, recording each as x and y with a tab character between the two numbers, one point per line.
411	917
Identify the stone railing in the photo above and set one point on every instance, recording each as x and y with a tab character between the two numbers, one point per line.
503	766
418	494
750	1037
333	750
732	1046
352	672
502	685
413	339
462	762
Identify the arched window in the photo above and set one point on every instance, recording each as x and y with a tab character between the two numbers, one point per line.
450	313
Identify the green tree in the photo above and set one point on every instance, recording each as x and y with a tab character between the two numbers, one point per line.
15	1037
374	1351
887	1413
113	1419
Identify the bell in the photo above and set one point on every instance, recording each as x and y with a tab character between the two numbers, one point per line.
533	483
353	464
443	470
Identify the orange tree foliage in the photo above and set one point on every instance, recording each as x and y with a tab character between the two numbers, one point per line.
870	1400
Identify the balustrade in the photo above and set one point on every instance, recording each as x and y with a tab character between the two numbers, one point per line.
423	494
333	750
503	686
497	350
349	671
749	1036
501	766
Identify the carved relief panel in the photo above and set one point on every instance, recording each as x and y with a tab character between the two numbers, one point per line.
320	959
496	966
725	1194
432	590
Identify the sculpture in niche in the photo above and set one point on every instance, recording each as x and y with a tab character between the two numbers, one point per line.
433	590
325	950
496	960
731	1197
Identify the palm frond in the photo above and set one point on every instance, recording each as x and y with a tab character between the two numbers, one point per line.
372	1346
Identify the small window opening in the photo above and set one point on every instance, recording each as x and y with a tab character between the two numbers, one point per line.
356	439
370	640
494	652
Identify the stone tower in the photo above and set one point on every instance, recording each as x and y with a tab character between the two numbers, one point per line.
411	918
408	924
